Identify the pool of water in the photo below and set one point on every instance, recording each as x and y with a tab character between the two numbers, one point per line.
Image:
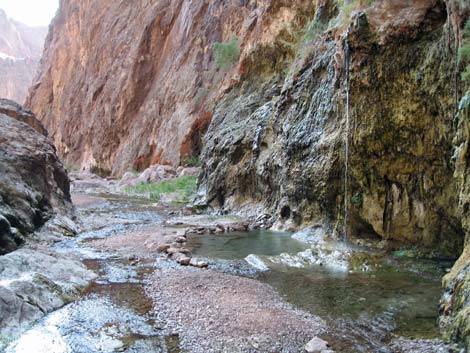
366	308
238	245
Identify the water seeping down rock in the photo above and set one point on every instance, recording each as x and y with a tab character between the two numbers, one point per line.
279	143
276	139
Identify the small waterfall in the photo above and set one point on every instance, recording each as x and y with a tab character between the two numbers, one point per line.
346	138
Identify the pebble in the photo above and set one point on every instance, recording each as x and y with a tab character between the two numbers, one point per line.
200	264
317	345
181	259
163	248
181	240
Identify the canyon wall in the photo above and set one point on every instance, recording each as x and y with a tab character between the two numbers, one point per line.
280	143
21	47
124	85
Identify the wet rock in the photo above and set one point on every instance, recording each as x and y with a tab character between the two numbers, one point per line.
181	258
256	262
287	153
238	228
454	308
317	345
7	243
196	263
33	182
163	248
35	282
181	240
172	250
218	228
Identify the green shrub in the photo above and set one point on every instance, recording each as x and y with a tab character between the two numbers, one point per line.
184	185
312	30
227	53
464	52
346	7
192	161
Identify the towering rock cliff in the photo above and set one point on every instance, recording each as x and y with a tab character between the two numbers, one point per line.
20	51
144	96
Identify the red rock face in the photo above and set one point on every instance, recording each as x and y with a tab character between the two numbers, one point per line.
20	51
126	84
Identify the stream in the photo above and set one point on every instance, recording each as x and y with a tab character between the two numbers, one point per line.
363	310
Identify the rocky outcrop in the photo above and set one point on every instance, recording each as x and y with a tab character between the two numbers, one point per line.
20	51
145	96
281	143
33	182
16	111
455	303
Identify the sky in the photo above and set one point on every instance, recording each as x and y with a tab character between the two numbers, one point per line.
30	12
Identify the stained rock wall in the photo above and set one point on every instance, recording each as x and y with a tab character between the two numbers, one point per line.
282	143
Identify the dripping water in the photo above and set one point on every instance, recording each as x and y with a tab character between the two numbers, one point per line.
346	142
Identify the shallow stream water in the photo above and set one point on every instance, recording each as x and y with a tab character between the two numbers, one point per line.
115	315
365	308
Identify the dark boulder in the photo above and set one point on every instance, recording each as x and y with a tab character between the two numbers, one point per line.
33	182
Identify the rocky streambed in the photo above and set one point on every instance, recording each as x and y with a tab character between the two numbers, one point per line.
242	291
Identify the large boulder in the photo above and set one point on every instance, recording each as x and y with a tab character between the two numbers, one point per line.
33	182
34	282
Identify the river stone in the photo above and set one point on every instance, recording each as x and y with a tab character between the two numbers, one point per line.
182	259
317	345
196	263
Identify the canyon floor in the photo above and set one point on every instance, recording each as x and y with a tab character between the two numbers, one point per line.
164	283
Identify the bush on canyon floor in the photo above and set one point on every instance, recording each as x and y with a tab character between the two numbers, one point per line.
184	186
227	53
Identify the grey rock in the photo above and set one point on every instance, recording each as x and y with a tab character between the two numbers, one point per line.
317	345
16	111
33	182
36	282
